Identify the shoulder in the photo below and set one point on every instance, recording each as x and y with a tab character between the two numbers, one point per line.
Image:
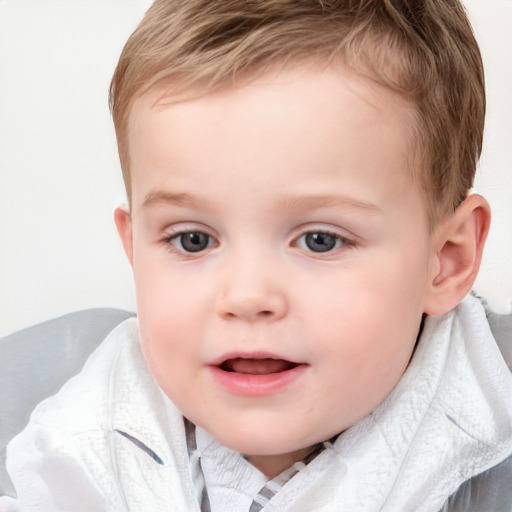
501	328
484	320
83	402
490	491
107	428
68	435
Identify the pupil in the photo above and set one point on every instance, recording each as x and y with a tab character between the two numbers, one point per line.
194	242
320	242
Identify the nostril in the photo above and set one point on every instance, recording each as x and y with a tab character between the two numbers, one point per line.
251	307
261	315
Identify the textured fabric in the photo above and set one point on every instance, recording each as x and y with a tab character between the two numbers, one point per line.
501	327
232	483
448	419
490	491
37	361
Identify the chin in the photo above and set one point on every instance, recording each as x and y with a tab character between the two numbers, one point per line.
258	443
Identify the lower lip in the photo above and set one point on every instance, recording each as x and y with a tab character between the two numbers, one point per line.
256	385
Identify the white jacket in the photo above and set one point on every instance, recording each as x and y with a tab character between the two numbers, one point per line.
109	440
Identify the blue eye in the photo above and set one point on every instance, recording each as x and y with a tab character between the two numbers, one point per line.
192	241
320	241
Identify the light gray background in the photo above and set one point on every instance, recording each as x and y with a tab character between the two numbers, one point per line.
60	178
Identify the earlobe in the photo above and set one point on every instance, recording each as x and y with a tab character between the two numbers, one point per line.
123	222
459	244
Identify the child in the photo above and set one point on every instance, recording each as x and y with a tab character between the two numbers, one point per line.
303	244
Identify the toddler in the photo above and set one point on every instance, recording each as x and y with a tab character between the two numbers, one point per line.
303	244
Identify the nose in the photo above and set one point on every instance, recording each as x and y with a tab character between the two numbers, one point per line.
252	291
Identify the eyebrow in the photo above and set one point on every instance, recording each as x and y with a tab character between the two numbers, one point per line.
161	197
303	202
307	202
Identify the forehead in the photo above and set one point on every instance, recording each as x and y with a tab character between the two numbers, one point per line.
301	115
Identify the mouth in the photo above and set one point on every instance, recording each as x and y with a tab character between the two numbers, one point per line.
260	374
256	366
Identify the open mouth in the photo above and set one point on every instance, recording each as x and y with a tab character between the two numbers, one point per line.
251	366
257	374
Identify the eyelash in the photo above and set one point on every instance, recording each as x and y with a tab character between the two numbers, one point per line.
168	241
342	242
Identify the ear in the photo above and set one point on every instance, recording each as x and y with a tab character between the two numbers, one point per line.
458	246
123	222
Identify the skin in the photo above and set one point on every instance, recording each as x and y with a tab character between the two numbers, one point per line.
255	169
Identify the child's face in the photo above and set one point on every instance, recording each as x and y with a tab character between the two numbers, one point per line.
281	255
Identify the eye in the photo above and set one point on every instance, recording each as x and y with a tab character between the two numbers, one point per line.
191	241
321	241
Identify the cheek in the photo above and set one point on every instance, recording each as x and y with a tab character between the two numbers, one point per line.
170	350
374	295
167	312
164	294
366	326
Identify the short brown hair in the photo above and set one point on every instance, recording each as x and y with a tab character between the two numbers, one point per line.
424	50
